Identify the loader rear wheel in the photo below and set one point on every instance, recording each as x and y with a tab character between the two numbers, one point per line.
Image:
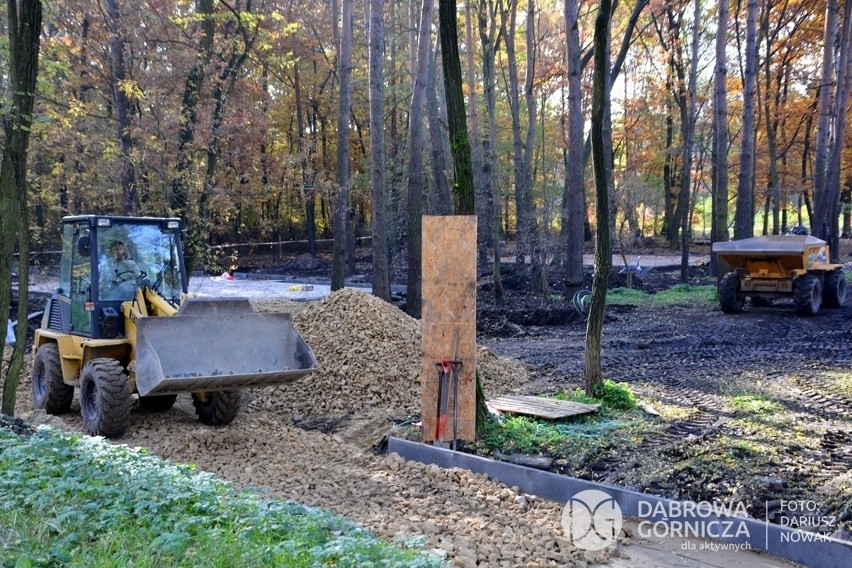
104	398
834	291
49	391
217	408
157	403
807	295
729	294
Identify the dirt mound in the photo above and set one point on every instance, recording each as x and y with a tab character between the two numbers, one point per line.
369	355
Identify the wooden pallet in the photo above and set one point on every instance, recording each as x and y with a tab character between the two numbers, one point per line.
541	407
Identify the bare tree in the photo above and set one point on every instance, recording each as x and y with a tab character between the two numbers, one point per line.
601	131
121	104
340	216
414	286
744	220
574	213
719	224
381	276
24	31
490	35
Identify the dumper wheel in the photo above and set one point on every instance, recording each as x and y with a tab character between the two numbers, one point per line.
729	294
104	398
834	291
807	295
217	408
49	391
157	403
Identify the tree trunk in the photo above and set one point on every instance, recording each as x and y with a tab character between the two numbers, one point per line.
24	33
340	208
744	219
381	278
456	117
414	287
441	201
602	165
489	36
574	215
689	144
483	211
773	193
522	216
179	199
307	179
841	101
719	225
121	103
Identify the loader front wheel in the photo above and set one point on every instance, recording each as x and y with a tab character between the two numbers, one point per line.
217	408
104	398
834	291
157	403
807	295
729	294
49	390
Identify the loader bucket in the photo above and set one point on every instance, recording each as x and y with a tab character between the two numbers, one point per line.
218	344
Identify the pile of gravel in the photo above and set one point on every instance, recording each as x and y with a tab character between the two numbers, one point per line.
369	356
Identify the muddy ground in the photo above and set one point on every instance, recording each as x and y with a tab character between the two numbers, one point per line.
755	407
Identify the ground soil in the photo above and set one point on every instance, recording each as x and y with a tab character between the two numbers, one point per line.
689	364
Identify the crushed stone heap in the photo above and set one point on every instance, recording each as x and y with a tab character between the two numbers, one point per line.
369	356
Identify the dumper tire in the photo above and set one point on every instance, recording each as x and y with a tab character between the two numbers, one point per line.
159	403
729	294
50	392
217	408
807	295
834	289
104	398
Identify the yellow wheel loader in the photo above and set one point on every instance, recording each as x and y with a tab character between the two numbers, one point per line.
121	324
780	266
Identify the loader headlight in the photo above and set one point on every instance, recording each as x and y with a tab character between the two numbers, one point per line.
173	224
104	222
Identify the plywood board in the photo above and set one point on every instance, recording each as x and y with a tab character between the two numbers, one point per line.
541	407
449	319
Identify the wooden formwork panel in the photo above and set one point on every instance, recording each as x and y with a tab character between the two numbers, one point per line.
449	319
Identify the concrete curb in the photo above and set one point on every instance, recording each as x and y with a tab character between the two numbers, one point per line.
809	549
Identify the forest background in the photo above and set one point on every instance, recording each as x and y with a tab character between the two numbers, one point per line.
256	120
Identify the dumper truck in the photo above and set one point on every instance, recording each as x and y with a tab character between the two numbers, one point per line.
780	266
122	325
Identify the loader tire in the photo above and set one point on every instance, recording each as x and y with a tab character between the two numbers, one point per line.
834	290
104	398
807	295
49	391
760	302
729	294
157	403
217	408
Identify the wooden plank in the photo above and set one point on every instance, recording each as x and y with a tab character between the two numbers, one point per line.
541	407
449	318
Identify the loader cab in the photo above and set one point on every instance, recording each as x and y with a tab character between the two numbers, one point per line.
105	260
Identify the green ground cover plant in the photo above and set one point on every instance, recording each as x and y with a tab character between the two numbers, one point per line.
71	500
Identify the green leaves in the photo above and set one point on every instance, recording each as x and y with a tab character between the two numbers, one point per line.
69	500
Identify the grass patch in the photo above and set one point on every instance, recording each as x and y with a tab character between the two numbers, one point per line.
79	501
677	295
578	434
609	394
755	404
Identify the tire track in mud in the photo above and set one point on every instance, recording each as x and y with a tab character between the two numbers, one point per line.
697	360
